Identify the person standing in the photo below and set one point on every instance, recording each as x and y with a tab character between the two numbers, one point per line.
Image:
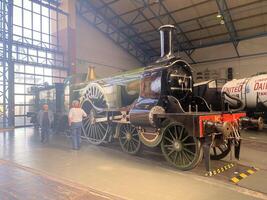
76	115
45	119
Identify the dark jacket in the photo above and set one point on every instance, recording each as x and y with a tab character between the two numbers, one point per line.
50	117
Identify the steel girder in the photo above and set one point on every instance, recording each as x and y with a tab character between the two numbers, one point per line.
224	11
6	64
99	17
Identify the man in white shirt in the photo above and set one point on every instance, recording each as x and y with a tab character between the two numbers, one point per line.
76	115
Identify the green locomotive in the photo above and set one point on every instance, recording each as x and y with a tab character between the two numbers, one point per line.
155	106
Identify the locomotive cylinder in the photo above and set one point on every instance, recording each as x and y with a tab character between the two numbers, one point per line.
218	127
145	118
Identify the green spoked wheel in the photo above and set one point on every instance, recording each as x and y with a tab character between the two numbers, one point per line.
95	125
129	139
179	148
219	152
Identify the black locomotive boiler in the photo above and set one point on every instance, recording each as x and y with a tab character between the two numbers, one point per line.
156	106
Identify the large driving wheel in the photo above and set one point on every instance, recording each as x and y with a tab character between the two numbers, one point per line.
129	138
95	126
179	148
220	152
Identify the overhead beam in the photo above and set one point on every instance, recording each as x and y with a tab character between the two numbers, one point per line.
228	22
216	25
162	14
109	12
238	39
188	20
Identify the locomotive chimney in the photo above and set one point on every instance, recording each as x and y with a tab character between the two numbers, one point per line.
166	40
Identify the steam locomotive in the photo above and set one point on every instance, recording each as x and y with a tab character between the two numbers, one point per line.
156	106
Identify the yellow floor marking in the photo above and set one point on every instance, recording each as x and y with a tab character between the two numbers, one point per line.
250	171
243	175
235	180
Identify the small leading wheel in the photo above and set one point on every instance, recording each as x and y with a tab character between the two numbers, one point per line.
129	138
95	126
219	152
179	148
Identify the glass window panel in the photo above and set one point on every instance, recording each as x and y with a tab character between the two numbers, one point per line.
42	54
48	71
45	39
56	80
29	109
50	55
45	25
28	121
16	38
56	72
42	60
19	121
19	99
39	80
45	11
36	8
48	80
19	110
27	4
17	15
19	89
19	68
36	22
33	52
29	99
28	35
29	69
27	19
29	79
36	37
19	78
17	2
28	89
17	32
39	70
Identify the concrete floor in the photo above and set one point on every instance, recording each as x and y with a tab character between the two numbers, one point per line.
108	170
